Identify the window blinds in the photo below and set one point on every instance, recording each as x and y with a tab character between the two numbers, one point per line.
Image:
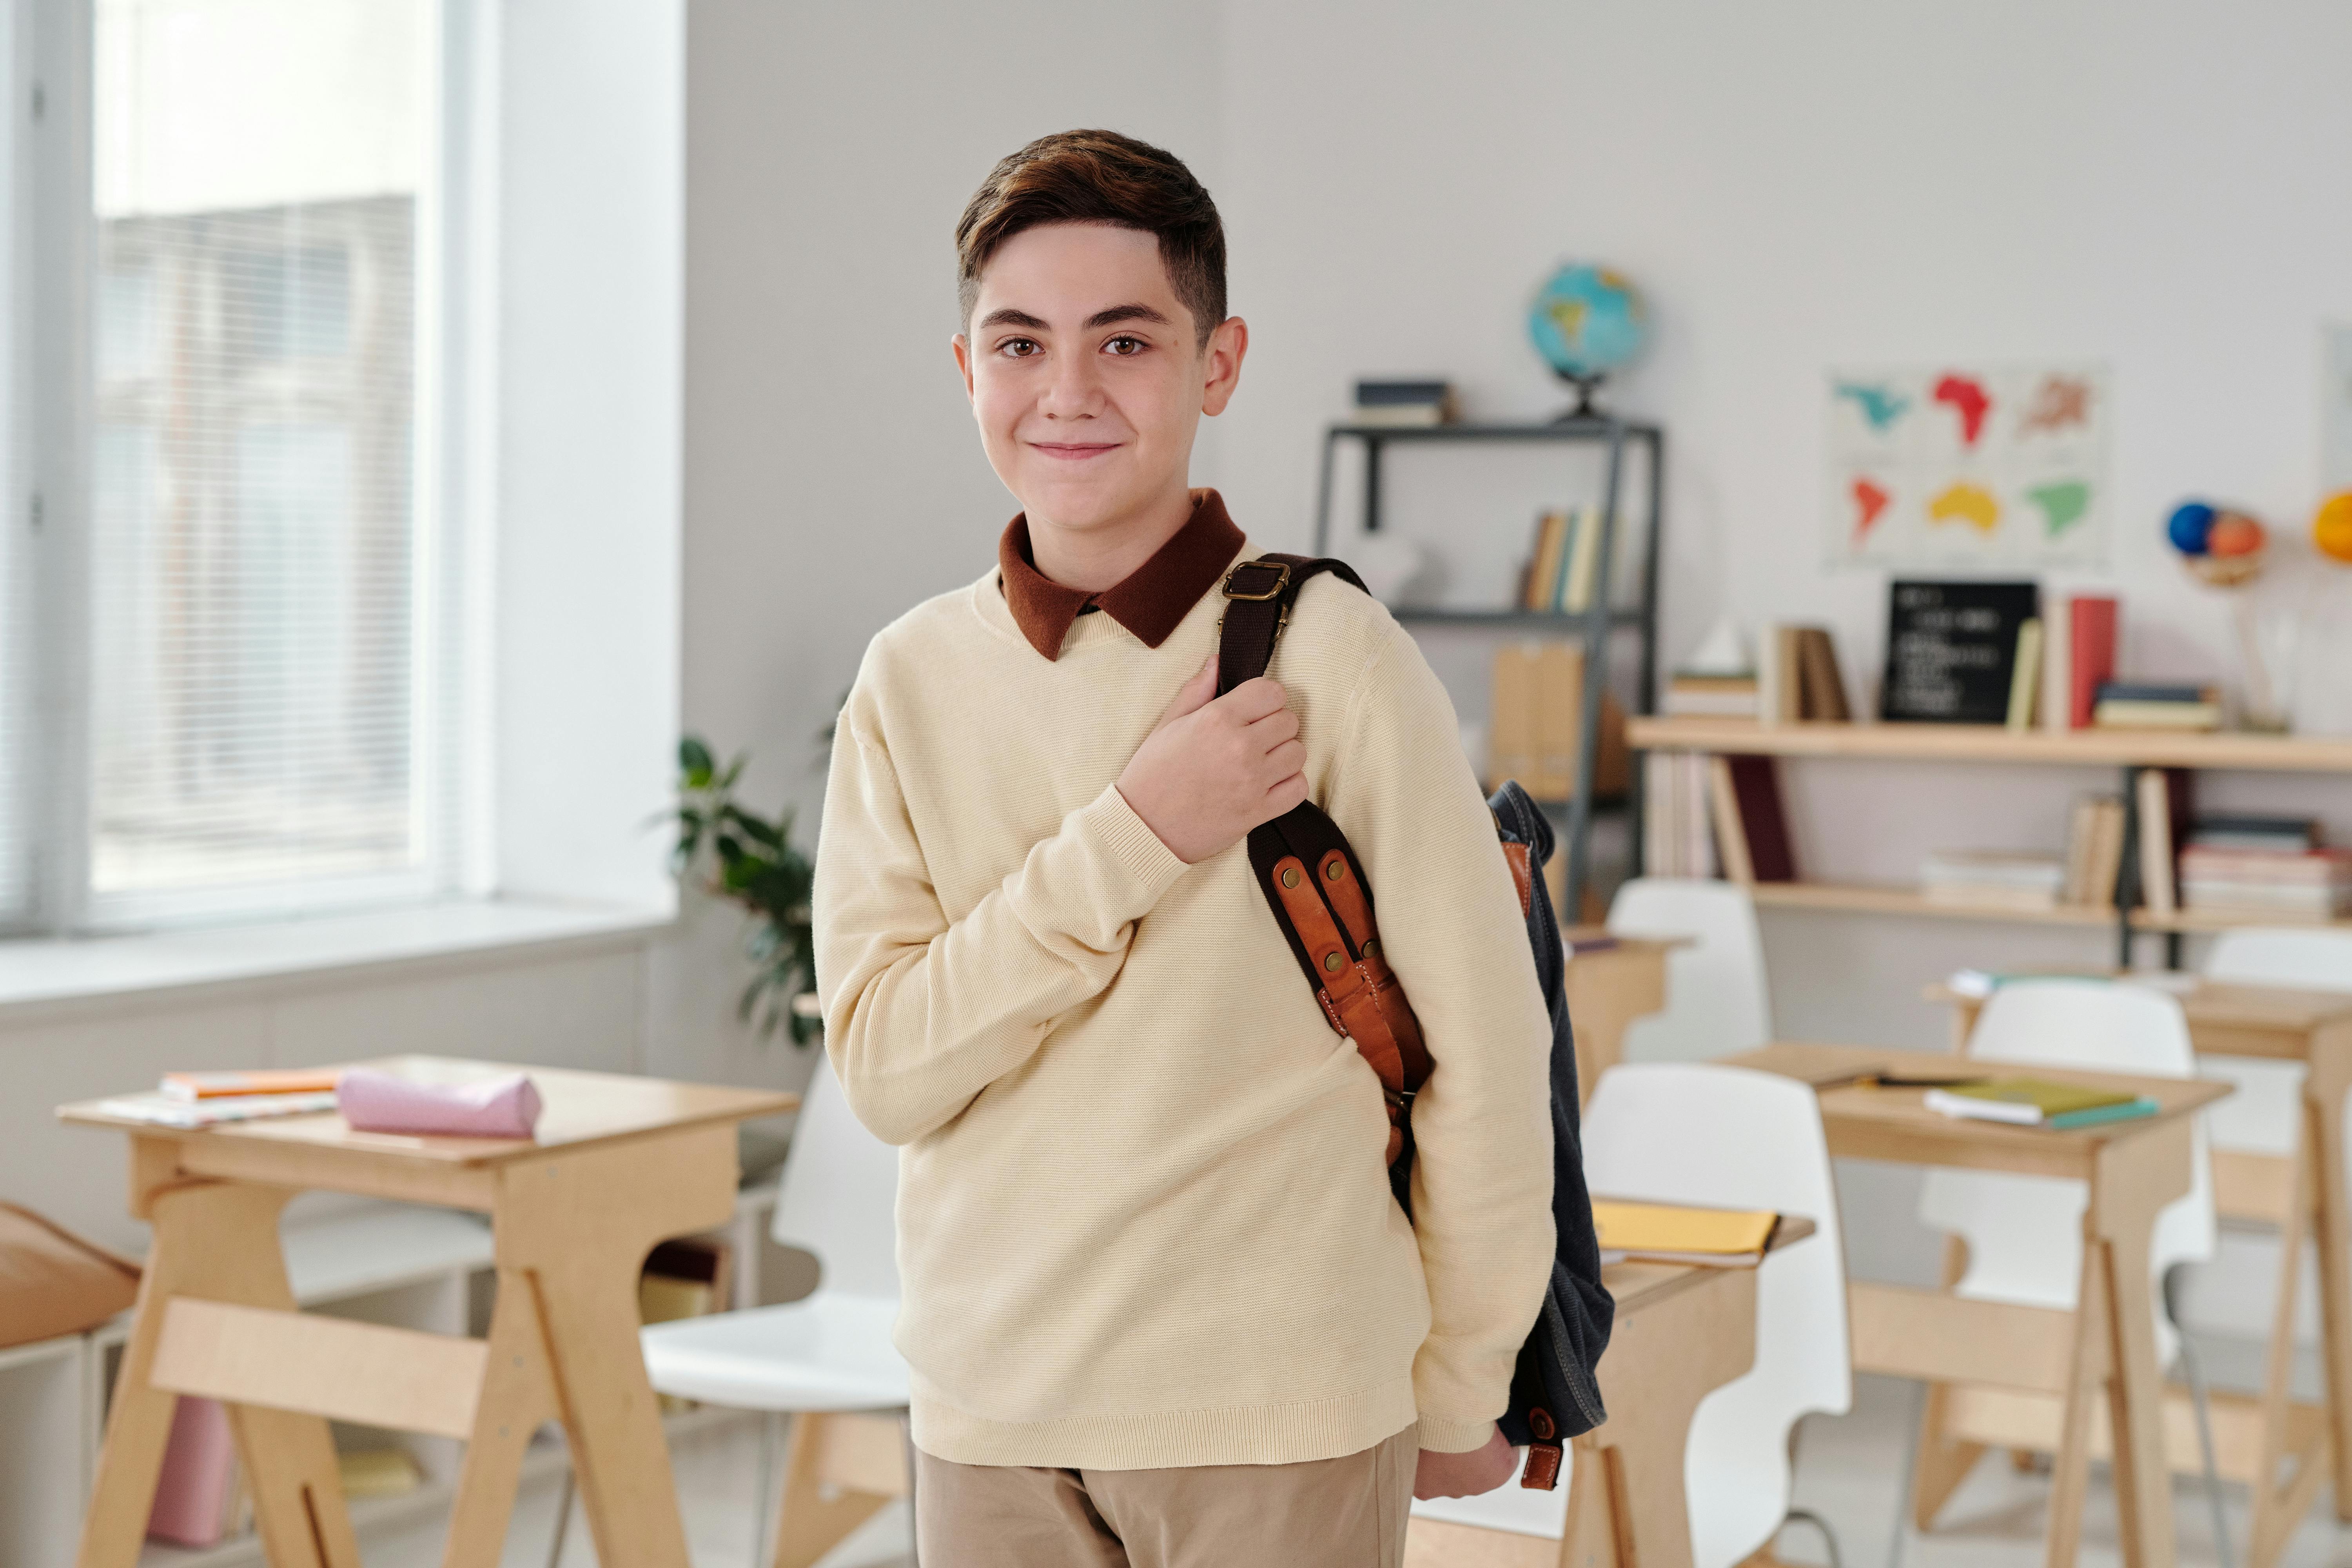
262	663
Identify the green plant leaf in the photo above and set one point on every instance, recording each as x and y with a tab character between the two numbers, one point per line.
694	761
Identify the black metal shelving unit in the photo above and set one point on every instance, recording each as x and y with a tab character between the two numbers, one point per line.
1592	627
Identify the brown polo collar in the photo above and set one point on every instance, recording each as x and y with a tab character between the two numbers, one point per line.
1149	601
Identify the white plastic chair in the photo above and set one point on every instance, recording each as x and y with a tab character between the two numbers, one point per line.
2024	1234
829	1352
1724	1137
2262	1116
1716	1000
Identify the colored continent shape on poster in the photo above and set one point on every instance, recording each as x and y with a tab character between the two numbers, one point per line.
2063	504
1869	505
2059	403
1964	502
1967	398
1881	404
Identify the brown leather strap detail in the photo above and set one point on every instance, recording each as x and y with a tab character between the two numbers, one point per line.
1251	626
1523	876
1346	896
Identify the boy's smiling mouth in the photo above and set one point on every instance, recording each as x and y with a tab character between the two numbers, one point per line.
1073	451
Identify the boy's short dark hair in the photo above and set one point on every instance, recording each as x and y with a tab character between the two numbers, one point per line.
1100	176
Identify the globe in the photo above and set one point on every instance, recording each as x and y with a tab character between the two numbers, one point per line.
1586	322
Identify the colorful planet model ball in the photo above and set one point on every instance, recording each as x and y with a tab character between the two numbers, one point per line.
2234	533
2190	527
2331	531
1587	321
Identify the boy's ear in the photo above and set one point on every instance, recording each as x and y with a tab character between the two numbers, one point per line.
963	361
1220	364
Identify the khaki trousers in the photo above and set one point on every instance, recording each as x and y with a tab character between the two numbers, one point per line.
1347	1512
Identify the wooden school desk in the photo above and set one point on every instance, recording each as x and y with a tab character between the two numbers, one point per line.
2257	1438
2039	1370
619	1164
1608	988
1681	1333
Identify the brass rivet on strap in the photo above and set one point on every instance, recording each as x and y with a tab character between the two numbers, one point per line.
1335	870
1372	947
1331	962
1290	876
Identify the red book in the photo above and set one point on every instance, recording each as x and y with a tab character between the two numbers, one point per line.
2091	624
1757	783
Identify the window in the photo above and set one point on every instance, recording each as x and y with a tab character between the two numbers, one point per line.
262	722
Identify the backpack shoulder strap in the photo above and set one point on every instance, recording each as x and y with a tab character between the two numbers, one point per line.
1259	597
1321	899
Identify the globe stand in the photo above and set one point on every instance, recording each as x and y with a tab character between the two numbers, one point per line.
1586	385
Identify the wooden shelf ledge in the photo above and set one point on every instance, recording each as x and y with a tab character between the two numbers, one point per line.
1992	743
1862	898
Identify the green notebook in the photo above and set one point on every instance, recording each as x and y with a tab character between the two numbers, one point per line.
2038	1102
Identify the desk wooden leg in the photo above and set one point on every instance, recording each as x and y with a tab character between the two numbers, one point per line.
2276	1508
2136	1178
2070	1462
2325	1086
516	1400
573	1228
214	1241
1943	1461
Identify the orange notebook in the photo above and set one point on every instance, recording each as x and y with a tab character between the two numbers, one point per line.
213	1085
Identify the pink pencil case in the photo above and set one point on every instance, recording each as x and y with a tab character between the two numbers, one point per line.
373	1101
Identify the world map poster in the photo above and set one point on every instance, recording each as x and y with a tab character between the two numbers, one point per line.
1961	466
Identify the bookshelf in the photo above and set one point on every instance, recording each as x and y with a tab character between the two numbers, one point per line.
1589	629
2129	750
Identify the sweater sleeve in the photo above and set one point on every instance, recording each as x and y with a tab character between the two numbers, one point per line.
1451	927
922	1012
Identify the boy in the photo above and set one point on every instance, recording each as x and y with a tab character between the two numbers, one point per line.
1159	1305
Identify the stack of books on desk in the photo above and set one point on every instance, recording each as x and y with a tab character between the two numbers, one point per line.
209	1099
2038	1102
1994	877
2273	866
2124	705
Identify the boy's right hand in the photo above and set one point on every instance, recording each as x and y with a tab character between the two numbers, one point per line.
1214	767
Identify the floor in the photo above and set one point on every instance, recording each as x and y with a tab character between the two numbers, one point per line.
1847	1473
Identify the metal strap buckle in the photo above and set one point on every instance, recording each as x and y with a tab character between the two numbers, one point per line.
1281	569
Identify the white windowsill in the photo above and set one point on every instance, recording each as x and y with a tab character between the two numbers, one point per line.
38	975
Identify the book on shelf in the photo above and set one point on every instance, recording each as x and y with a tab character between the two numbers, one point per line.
1797	676
1951	650
1751	828
196	1491
2038	1102
1677	835
1405	403
2164	818
2123	706
1676	1233
1694	695
1994	877
686	1277
2025	676
2241	831
2057	645
1535	722
1543	566
387	1471
1580	562
2305	884
2095	850
2093	623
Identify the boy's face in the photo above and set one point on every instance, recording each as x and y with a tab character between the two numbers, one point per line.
1086	375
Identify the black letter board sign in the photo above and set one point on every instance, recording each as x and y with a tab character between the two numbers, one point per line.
1951	648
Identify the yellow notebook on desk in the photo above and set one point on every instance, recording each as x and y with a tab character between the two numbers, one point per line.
1672	1234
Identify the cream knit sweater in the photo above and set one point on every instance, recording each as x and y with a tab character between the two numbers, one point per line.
1143	1219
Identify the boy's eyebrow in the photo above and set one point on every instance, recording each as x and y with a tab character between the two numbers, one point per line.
1125	313
1009	317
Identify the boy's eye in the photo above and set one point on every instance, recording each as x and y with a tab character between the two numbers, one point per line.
1019	348
1126	347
